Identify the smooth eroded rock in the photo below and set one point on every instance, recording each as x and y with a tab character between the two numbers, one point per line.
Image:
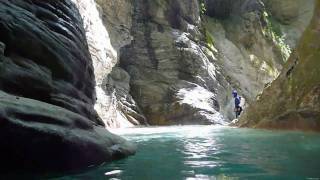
36	136
167	62
47	87
292	101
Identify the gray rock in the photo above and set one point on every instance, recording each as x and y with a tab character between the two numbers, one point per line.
2	48
290	17
251	51
42	137
165	46
167	62
47	90
118	82
292	101
108	25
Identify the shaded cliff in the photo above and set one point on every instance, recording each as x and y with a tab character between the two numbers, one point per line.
292	101
173	76
107	26
171	62
47	91
289	18
252	43
184	58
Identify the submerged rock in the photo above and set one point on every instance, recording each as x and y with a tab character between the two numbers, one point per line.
292	101
47	91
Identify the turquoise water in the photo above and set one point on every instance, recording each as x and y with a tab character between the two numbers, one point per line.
212	152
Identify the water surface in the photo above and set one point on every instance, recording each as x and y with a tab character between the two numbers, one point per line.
213	152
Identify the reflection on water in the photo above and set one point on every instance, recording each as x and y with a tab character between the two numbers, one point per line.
198	151
214	152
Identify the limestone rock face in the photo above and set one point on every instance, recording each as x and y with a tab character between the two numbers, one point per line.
47	91
252	41
118	83
290	18
107	26
292	100
117	17
149	56
176	49
173	76
156	62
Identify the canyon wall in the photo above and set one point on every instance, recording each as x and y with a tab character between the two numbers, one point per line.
70	68
47	91
253	40
292	101
107	26
174	79
181	59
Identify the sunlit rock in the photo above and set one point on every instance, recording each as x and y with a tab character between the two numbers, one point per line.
107	25
292	101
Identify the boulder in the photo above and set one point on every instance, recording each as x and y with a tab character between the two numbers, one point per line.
47	91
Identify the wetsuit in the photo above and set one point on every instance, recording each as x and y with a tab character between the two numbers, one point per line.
238	108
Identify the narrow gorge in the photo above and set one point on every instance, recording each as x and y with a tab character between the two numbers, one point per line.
73	71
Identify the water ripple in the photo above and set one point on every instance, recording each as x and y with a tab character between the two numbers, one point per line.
214	152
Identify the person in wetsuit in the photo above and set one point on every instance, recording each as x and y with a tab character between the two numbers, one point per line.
237	102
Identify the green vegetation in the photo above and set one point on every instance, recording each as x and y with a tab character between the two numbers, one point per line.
203	8
209	39
274	32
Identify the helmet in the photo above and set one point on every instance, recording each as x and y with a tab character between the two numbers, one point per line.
234	93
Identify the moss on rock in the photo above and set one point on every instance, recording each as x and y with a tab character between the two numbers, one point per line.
292	100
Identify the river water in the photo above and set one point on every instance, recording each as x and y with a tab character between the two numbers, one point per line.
213	152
